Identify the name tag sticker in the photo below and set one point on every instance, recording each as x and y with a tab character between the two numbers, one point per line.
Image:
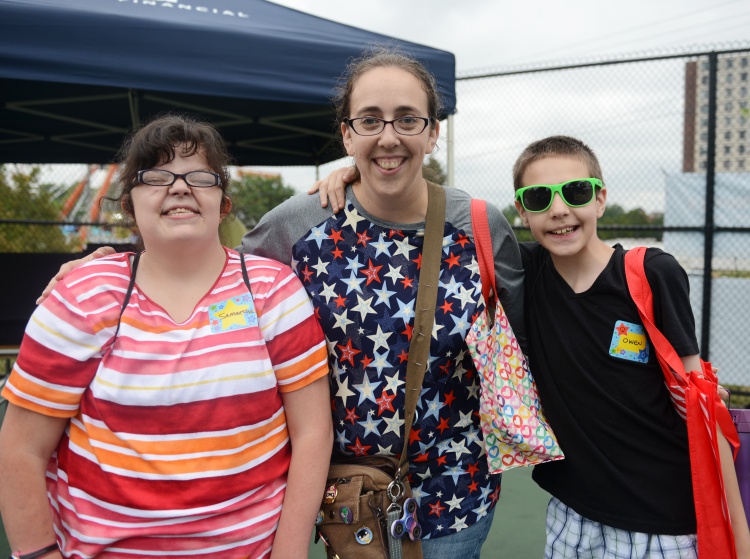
233	314
629	342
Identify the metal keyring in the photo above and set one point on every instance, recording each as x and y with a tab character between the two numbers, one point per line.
393	495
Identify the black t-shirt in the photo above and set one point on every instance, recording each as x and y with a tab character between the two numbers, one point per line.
626	453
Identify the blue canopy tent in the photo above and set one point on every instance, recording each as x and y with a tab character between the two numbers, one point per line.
77	75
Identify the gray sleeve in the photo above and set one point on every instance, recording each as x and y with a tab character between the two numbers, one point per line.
278	230
508	270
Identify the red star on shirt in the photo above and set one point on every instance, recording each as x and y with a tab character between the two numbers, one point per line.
472	469
348	352
337	253
351	416
336	236
362	238
622	329
307	273
358	448
436	509
407	281
447	307
414	435
394	232
407	331
449	397
445	368
443	425
452	260
462	240
372	273
366	361
473	486
385	402
403	356
418	260
441	460
421	458
340	301
495	495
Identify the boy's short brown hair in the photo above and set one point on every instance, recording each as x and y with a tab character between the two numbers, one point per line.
556	145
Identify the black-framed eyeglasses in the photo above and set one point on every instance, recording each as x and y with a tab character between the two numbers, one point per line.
372	126
162	177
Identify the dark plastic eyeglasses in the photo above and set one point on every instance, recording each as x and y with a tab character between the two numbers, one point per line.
372	126
162	177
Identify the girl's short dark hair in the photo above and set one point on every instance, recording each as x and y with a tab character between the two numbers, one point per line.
154	144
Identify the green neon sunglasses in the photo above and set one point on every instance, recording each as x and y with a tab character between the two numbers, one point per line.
575	193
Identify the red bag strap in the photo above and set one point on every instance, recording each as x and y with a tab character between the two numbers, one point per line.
695	398
483	241
640	291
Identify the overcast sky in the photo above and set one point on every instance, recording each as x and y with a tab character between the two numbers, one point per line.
487	34
494	35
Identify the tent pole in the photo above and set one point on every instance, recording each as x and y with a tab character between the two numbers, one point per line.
317	172
451	149
135	117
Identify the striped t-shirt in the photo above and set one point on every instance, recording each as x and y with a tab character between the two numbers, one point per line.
177	444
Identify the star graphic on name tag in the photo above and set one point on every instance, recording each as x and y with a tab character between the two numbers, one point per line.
232	314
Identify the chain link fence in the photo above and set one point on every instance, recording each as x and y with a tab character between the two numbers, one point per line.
672	135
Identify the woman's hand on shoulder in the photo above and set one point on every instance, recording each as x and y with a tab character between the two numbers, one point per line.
332	189
66	268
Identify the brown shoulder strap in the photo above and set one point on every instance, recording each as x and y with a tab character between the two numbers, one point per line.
424	312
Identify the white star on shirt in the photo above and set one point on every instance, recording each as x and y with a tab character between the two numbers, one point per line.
366	390
459	448
317	234
370	425
454	503
320	268
460	523
474	267
384	295
393	382
465	420
352	218
328	291
364	308
465	296
343	391
380	338
404	248
381	246
394	424
342	321
353	283
394	273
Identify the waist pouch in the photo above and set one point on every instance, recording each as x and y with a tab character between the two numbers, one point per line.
361	518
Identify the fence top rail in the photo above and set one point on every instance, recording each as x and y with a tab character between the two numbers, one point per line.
609	62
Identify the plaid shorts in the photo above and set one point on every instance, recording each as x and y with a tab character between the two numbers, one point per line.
571	536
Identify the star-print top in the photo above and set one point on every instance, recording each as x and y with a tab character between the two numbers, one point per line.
362	276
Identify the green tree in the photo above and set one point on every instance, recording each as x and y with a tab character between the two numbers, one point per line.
22	197
511	214
433	171
254	195
614	215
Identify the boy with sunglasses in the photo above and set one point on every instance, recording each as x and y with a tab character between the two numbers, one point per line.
624	489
